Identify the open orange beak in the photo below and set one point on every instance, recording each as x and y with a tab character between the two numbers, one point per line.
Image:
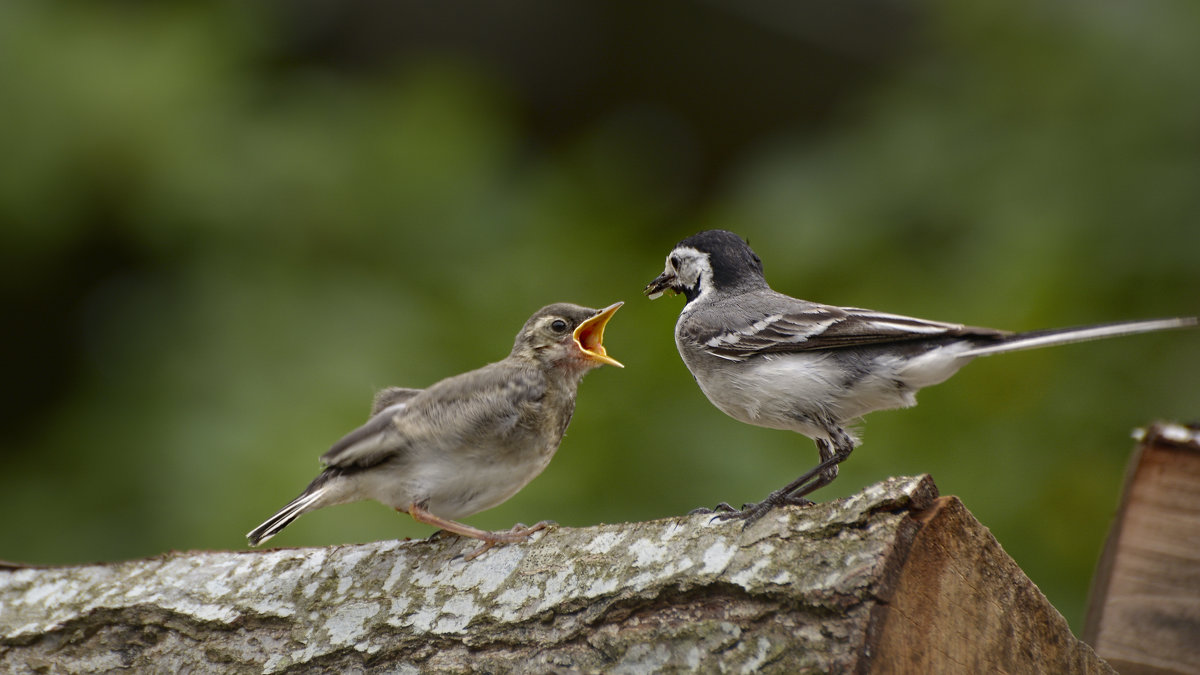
590	336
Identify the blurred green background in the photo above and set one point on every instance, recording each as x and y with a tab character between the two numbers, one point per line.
225	225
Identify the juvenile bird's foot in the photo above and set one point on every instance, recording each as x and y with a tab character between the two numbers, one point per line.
518	533
749	513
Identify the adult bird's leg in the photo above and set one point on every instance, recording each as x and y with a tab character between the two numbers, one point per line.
519	533
833	452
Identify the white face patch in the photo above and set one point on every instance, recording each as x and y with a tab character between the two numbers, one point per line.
691	269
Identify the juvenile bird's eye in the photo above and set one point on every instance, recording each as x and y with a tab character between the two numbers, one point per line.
558	325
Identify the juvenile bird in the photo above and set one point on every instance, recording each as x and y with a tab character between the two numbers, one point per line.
469	442
774	361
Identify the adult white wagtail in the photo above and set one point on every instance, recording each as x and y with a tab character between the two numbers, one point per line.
469	442
774	361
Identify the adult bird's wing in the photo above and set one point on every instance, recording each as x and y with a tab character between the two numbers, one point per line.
474	407
776	323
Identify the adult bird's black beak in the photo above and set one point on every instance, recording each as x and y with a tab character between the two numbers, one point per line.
590	336
662	283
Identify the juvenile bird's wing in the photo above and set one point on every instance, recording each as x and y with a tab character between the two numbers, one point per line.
391	396
472	408
776	323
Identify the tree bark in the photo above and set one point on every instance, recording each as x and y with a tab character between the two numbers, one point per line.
893	579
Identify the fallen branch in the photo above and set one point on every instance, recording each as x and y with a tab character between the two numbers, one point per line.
893	579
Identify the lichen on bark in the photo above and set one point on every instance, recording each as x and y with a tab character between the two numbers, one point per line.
792	592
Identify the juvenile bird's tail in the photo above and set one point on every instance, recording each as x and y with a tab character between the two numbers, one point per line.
1062	336
311	498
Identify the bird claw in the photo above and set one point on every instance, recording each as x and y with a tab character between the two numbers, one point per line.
749	513
487	546
723	507
519	533
523	531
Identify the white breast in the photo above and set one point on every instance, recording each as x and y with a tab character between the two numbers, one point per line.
794	391
456	484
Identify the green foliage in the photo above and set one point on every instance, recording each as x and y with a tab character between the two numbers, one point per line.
288	241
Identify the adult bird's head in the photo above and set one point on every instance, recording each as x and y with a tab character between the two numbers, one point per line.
707	263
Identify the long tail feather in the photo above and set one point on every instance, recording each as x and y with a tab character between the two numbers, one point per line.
308	500
1062	336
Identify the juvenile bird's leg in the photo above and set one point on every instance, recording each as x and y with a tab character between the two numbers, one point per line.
833	452
519	533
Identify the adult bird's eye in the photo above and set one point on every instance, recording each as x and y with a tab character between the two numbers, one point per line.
558	325
675	261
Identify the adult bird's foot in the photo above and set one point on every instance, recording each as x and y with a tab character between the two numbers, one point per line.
749	513
518	533
723	507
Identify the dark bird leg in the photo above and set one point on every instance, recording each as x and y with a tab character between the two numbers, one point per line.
833	452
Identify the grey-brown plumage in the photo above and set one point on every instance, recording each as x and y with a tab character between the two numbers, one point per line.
469	442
